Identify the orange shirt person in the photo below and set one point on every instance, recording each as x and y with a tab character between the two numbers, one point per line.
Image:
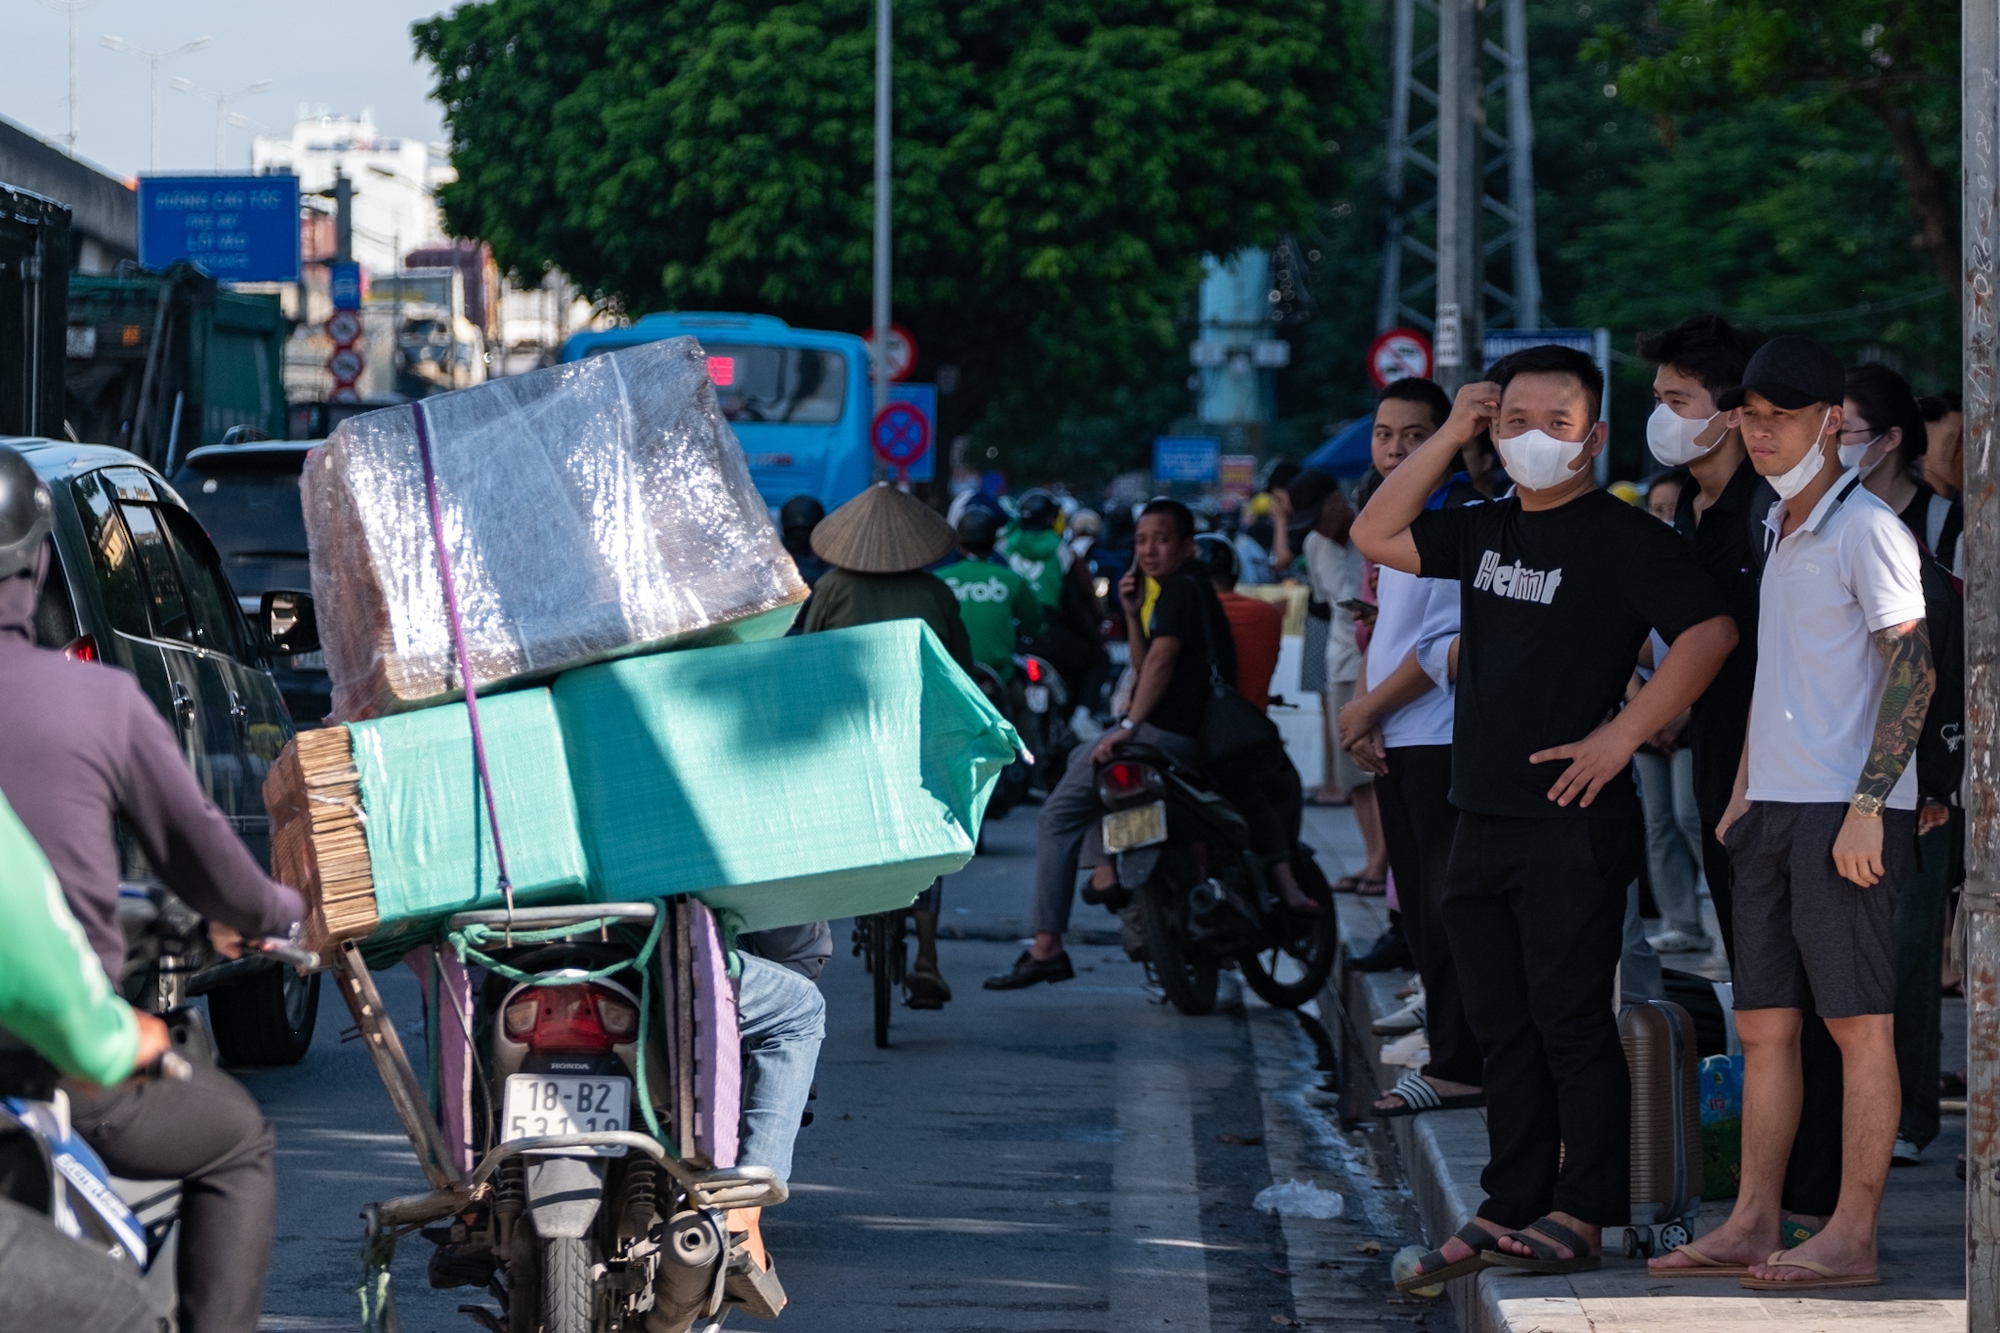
1256	626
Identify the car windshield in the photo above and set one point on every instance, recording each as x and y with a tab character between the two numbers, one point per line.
798	385
248	501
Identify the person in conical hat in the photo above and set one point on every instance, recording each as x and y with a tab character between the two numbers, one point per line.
880	545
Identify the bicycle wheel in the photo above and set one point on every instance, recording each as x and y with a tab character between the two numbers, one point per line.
885	985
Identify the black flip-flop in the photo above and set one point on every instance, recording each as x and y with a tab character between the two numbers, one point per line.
1546	1259
1483	1243
1419	1096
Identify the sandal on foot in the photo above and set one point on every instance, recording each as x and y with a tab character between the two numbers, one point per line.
1545	1259
925	989
1825	1278
1419	1096
1701	1265
1434	1268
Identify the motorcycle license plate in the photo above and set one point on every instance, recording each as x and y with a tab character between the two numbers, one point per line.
540	1105
1141	826
1038	698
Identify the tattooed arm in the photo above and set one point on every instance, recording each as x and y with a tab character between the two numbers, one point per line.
1906	697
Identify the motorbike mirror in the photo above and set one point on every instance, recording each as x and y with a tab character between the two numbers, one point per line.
290	623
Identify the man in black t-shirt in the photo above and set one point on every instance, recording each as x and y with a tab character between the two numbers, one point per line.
1560	584
1171	657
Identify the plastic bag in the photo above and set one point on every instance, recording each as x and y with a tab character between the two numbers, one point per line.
1296	1198
591	510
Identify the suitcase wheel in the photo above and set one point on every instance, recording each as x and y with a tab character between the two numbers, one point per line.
1674	1235
1638	1242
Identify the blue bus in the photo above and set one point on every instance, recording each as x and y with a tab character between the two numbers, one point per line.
797	398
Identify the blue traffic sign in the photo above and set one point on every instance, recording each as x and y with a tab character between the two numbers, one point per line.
344	285
901	435
923	397
239	228
1192	458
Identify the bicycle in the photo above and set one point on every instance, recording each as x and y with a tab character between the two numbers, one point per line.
879	940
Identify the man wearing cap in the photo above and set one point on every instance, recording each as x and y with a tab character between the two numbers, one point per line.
880	545
1821	830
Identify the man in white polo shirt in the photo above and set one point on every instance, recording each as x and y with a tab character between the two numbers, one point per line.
1822	829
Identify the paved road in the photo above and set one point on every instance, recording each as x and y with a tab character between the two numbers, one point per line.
1076	1157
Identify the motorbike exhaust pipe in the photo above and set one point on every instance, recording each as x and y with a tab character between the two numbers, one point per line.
689	1254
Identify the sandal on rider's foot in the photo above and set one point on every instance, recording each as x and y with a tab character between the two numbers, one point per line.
926	989
1434	1268
1537	1236
756	1289
1419	1096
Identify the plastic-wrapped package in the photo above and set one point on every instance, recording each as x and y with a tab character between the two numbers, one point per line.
592	510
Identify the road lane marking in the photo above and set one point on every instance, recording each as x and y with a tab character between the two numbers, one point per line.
1157	1280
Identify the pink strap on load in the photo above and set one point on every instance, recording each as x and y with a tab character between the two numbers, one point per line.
718	1046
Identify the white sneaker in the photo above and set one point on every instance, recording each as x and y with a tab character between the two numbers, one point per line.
1906	1153
1412	1051
1679	941
1407	1019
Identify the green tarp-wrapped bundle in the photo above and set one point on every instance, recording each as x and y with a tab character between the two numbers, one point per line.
780	782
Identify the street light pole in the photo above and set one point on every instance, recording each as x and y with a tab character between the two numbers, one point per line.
221	102
882	139
70	9
153	60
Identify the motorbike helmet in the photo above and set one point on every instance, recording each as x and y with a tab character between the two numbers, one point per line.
978	530
27	514
1214	550
1037	510
801	511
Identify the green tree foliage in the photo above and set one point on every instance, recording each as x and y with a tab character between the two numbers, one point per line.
1060	168
1893	59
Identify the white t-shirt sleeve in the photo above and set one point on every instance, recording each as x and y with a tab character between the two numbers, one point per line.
1441	613
1884	573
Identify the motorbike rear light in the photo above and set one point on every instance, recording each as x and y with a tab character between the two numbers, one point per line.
83	648
1117	781
1035	670
571	1019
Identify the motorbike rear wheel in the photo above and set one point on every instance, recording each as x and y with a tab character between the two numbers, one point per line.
566	1293
1311	942
880	937
1188	980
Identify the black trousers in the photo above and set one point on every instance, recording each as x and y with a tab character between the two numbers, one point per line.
1418	824
49	1281
1535	909
1265	790
1812	1175
208	1134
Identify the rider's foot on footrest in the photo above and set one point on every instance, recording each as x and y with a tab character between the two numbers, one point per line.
1029	969
756	1290
926	989
461	1265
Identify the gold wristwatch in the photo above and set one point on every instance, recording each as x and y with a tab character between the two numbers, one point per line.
1868	807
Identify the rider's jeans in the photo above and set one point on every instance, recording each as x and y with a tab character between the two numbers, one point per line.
782	1018
208	1134
1068	814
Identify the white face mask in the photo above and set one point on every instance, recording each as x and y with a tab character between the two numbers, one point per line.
1539	461
1671	436
1852	454
1799	476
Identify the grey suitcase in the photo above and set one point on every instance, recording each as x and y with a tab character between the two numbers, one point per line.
1666	1126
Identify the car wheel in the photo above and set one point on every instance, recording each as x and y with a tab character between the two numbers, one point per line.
266	1018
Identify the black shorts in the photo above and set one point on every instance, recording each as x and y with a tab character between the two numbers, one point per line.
1798	921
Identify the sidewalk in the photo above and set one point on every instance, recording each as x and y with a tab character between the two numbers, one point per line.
1442	1154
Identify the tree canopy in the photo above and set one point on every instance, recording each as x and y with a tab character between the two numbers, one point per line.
1060	168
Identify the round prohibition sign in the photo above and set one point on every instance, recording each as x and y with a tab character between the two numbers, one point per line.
1398	354
345	365
901	435
343	326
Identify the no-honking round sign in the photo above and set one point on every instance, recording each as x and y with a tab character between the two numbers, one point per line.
1399	354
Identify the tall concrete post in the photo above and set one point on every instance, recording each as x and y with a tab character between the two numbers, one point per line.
1459	270
882	146
1980	308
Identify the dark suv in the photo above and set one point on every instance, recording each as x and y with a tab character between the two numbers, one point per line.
247	498
136	583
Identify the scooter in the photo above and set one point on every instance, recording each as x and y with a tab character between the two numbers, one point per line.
1193	897
609	1072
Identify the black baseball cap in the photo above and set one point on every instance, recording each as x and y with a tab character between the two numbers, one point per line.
1792	371
1308	490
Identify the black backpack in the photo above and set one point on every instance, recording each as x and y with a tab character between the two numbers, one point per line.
1941	744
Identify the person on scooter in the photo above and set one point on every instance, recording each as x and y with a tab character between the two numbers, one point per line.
880	545
997	605
55	1001
797	517
84	747
1070	613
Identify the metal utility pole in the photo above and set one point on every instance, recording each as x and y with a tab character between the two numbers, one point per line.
71	8
221	102
1980	310
343	218
1444	223
153	60
880	359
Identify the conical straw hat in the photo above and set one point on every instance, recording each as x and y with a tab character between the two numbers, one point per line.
883	531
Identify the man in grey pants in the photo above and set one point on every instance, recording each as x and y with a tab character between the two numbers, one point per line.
1170	653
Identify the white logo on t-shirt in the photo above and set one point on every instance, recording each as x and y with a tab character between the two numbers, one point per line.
1515	581
992	590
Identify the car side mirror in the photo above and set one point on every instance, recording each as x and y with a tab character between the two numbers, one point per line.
289	622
